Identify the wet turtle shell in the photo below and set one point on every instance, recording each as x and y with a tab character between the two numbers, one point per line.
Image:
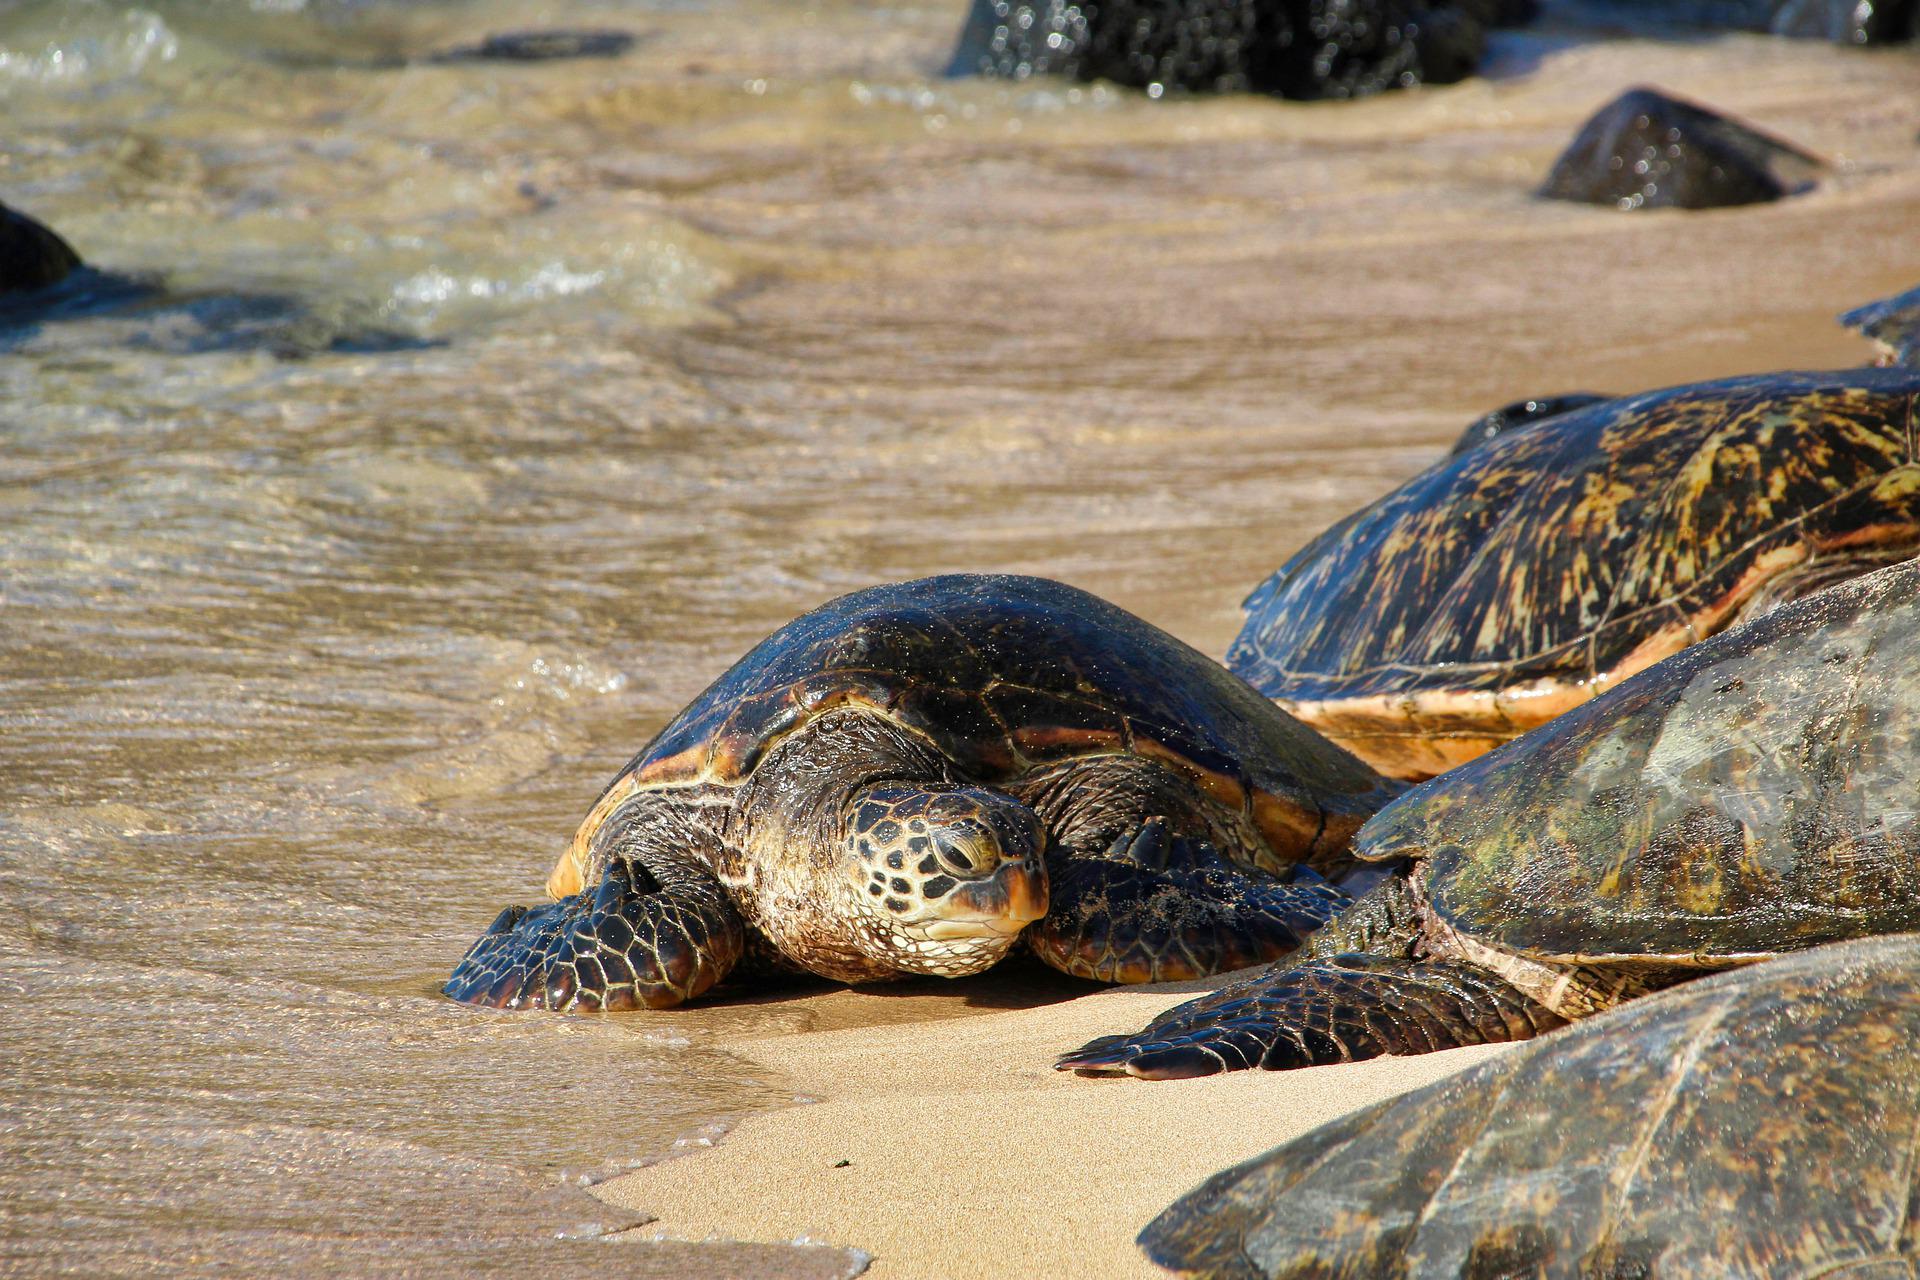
1523	577
1756	1124
1752	795
1003	674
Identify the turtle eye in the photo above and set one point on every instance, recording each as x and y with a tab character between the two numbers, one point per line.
957	847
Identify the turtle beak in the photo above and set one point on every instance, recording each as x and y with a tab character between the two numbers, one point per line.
1015	894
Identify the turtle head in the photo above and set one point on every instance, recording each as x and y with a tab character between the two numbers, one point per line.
943	878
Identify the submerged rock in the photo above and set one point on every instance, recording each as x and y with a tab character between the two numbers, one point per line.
1645	150
542	46
1521	413
32	256
1855	22
1294	48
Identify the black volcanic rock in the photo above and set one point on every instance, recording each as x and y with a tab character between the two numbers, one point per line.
1645	150
1851	22
32	256
542	46
1294	48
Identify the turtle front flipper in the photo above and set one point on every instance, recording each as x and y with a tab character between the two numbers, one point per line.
651	934
1342	1008
1156	906
1355	991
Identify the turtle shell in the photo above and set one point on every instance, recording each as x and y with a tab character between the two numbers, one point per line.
1005	675
1752	795
1510	582
1757	1124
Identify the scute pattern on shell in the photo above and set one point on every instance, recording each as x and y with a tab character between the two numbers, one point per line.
1002	673
1753	794
1758	1124
1556	552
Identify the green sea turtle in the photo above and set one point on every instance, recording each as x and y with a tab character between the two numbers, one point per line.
1752	795
1521	413
909	778
1893	324
1757	1124
1520	578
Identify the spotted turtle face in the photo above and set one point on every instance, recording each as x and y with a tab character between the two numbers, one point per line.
943	878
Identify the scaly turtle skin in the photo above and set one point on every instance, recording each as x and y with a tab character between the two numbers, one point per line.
907	778
1751	796
1523	577
1756	1124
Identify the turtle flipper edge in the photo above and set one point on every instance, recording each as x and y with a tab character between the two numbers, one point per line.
647	936
1324	1009
1156	906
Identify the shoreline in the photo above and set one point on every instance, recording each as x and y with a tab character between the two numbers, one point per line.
953	1148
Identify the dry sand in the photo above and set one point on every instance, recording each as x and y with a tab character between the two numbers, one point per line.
953	1149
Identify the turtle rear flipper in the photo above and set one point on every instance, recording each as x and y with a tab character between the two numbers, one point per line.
648	936
1155	906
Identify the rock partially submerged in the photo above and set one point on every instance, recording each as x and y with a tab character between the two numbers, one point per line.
542	46
32	255
1293	48
1850	22
1646	150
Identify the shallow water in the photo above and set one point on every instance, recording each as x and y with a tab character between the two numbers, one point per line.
438	430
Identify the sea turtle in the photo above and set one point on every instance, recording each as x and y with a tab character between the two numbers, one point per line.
1521	413
903	780
1756	1124
1520	578
1893	325
1749	796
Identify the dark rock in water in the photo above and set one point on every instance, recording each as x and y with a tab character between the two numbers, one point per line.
1894	323
542	46
143	313
1294	48
1847	21
31	255
1521	413
1854	22
1645	150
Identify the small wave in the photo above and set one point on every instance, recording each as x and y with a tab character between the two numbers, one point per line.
89	44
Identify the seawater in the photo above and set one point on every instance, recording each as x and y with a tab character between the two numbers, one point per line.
435	430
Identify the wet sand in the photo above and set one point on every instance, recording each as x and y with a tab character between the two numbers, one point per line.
956	1150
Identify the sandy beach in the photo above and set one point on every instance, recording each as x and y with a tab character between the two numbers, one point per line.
954	1149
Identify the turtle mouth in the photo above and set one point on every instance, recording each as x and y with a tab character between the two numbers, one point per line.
969	930
1002	903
